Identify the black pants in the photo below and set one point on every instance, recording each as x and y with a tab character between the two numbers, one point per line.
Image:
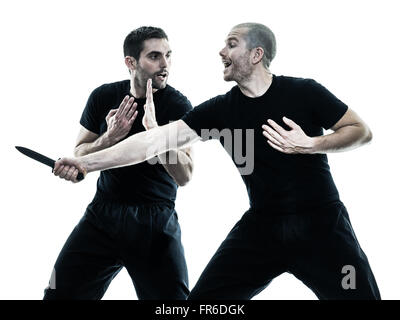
315	247
143	238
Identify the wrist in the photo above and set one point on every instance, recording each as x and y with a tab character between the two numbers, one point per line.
153	125
85	165
109	140
315	143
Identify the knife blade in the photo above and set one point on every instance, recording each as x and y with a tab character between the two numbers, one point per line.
43	159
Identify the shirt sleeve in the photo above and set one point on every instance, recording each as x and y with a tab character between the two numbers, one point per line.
207	116
90	116
326	109
182	106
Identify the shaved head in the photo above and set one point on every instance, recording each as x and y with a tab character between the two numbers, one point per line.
259	35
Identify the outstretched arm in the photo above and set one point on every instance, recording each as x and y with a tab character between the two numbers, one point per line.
349	132
135	149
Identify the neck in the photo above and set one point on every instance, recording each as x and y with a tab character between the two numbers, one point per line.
137	90
257	84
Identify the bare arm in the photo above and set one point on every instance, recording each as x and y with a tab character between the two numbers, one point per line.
119	122
135	149
89	142
349	132
178	163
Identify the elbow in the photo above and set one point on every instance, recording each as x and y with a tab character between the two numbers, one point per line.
184	180
78	152
363	135
368	136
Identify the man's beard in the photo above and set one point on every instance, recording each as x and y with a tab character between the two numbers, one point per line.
157	84
142	76
241	70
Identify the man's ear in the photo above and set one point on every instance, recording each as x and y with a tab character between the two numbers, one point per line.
258	54
130	62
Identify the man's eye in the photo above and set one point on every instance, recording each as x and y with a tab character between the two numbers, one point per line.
231	45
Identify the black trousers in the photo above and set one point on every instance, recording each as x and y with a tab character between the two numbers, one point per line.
146	239
316	247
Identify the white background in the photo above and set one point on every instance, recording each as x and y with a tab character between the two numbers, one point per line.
54	53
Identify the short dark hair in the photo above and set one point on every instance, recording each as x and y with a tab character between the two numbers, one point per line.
259	35
133	44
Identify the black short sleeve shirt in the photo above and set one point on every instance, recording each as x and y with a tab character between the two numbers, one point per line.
145	182
278	181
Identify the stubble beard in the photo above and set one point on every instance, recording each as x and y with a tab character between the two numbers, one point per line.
142	76
241	70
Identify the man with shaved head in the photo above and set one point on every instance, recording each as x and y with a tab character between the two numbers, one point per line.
296	222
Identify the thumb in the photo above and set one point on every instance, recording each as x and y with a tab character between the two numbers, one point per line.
111	113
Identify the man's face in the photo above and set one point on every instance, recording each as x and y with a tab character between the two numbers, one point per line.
154	62
236	57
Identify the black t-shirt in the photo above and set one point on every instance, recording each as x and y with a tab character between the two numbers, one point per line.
144	182
279	183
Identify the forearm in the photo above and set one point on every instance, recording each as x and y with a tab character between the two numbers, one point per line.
102	142
343	139
140	147
132	150
178	164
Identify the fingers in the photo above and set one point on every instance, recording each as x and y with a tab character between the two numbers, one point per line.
127	107
277	127
131	111
133	117
275	135
149	111
149	92
122	106
146	111
291	141
290	123
58	168
271	138
111	113
62	172
68	168
74	176
69	174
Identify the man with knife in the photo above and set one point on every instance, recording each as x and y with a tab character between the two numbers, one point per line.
131	221
296	222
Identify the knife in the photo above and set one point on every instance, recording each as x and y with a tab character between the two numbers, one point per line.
43	159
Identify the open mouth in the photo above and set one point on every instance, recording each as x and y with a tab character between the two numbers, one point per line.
226	63
162	76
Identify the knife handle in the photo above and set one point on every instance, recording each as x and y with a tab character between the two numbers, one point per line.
80	176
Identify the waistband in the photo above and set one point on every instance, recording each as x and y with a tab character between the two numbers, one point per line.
99	196
301	210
